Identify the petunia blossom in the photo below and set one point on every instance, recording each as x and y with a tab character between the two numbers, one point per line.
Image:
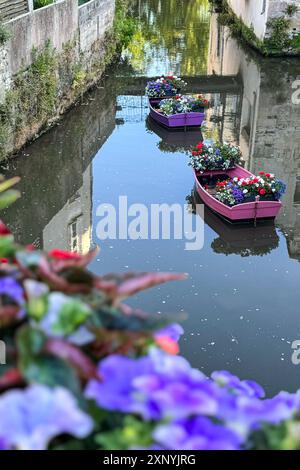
31	418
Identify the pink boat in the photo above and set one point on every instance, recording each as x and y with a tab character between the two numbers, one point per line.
258	209
176	120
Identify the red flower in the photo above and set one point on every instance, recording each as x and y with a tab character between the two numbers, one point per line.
3	260
3	229
194	152
262	192
199	146
268	175
61	254
261	173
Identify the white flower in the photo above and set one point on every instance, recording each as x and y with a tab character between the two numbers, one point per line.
240	183
273	190
245	191
235	179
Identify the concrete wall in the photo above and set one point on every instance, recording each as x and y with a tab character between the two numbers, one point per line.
57	23
95	18
60	23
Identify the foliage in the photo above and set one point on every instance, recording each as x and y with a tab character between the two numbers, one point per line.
125	26
41	3
32	97
279	39
291	10
4	34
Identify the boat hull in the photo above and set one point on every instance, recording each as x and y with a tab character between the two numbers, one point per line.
177	120
241	212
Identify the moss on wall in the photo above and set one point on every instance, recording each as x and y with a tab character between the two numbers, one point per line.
40	94
279	42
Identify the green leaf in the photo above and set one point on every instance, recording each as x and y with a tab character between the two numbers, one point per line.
8	183
37	306
8	198
134	433
71	315
51	371
7	247
30	341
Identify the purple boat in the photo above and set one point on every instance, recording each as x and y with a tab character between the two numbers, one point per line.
190	119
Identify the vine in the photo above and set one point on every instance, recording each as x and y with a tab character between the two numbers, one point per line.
4	34
279	40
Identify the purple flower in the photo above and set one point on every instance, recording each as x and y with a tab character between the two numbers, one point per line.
173	332
157	386
233	383
244	414
10	288
31	418
198	433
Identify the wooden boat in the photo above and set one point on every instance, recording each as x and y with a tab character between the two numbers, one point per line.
176	120
247	211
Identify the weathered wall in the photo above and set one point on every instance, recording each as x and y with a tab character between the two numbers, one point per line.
253	13
57	23
278	7
256	13
95	17
80	45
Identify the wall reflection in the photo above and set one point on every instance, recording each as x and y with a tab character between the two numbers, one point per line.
265	122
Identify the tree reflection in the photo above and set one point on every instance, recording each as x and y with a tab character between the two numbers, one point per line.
166	40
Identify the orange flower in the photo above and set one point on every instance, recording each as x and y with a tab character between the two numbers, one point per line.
167	345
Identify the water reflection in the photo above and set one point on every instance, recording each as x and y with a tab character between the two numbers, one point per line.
244	284
169	31
173	141
244	240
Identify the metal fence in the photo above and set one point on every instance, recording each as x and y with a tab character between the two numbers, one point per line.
10	9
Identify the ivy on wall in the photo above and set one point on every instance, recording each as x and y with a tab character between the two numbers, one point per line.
279	40
54	81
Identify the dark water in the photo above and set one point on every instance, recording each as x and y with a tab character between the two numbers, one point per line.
242	296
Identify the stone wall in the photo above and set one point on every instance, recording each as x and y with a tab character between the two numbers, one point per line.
80	39
256	13
95	17
57	23
253	13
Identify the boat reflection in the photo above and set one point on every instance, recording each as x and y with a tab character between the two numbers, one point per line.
244	240
174	140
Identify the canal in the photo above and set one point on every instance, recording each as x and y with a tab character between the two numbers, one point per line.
242	294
